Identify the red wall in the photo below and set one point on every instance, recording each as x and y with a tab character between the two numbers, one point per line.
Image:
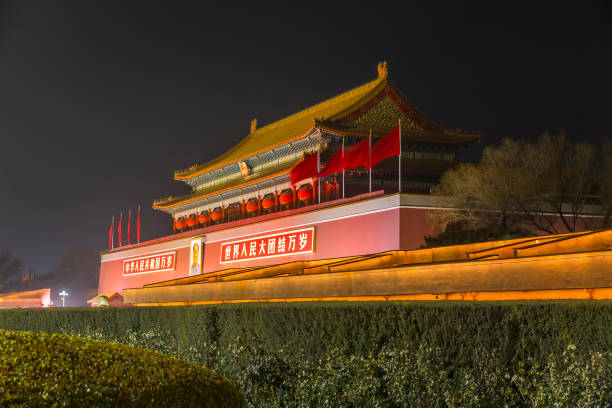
360	228
363	227
112	279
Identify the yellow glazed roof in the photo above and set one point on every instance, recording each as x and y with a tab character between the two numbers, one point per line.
171	202
292	127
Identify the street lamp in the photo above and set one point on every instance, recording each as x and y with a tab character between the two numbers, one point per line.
63	294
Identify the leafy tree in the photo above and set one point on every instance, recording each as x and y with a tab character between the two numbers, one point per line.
544	185
11	269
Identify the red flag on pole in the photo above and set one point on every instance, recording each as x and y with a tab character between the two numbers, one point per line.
358	155
307	168
119	230
129	224
138	226
335	163
388	146
110	233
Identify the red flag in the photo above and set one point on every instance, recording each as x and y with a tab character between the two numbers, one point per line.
25	278
110	233
388	146
119	229
138	226
129	223
335	163
307	168
358	155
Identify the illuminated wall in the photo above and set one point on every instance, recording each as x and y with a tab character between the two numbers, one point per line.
358	228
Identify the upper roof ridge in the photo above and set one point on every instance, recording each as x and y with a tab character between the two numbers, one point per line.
321	105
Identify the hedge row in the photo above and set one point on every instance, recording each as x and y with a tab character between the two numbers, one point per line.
51	370
399	376
515	330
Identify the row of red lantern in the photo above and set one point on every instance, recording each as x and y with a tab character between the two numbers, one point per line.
285	198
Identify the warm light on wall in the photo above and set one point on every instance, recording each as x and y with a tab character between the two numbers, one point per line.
584	294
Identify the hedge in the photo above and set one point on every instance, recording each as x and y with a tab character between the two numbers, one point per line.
366	354
38	369
518	330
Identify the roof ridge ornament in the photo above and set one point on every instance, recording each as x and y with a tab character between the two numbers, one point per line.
382	70
253	126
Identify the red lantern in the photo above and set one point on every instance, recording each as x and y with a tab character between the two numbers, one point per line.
285	198
267	203
203	217
191	221
179	224
216	214
304	194
251	206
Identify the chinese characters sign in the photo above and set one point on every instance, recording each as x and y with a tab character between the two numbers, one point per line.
152	263
268	246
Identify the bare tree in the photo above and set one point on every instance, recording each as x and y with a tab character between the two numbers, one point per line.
545	185
11	269
559	183
604	180
479	192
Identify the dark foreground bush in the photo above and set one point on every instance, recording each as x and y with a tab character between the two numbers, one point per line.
40	370
518	330
372	354
397	376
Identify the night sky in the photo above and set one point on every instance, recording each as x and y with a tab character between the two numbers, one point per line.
101	101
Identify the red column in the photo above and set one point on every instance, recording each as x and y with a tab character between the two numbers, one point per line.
276	194
314	191
259	208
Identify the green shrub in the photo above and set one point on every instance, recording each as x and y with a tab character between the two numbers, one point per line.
38	369
398	376
517	330
567	380
373	354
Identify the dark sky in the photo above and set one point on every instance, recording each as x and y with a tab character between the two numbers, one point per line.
101	101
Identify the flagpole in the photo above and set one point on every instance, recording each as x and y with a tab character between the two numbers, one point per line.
112	232
138	225
399	161
318	171
342	166
370	159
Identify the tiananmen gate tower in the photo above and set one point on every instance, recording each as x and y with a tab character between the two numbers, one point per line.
245	232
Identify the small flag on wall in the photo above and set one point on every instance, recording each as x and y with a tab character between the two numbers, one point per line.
119	230
138	226
110	233
129	225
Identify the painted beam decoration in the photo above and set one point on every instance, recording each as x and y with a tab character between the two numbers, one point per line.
269	246
151	263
